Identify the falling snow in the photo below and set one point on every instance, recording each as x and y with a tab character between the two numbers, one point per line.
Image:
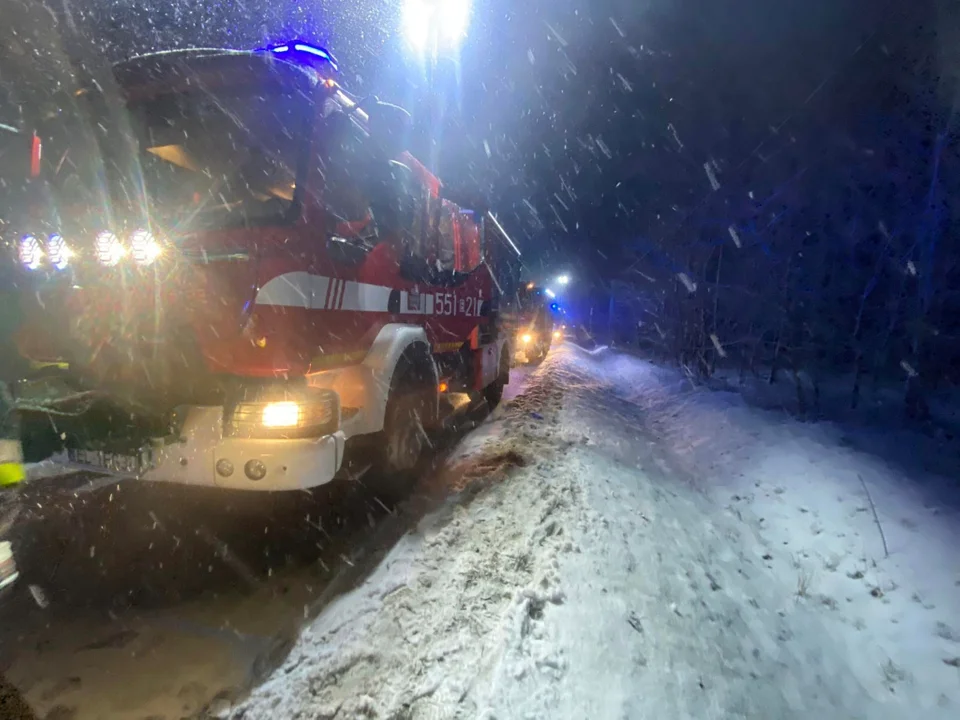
682	552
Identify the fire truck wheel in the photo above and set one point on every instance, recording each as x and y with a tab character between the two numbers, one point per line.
404	436
494	391
538	358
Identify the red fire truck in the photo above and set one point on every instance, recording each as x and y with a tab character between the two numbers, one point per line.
529	324
234	271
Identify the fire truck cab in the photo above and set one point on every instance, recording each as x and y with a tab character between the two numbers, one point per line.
232	268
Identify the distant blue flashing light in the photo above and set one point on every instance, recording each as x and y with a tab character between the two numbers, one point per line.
307	49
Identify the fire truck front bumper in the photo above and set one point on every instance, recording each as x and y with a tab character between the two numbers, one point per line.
205	457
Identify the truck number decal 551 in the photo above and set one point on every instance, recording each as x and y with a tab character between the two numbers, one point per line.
319	292
449	303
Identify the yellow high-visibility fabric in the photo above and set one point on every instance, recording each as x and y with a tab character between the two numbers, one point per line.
11	473
11	463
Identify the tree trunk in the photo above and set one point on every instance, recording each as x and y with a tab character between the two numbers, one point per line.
610	317
801	395
857	373
816	396
753	356
915	398
776	358
716	310
785	312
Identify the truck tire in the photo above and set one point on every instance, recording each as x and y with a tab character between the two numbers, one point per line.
494	391
411	408
539	357
403	433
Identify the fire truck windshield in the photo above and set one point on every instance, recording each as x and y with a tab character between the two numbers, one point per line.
190	159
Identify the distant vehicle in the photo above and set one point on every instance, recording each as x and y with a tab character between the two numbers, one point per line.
234	268
530	325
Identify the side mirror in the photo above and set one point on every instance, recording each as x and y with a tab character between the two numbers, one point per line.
389	126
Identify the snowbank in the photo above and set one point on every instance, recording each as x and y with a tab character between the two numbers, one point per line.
615	545
804	496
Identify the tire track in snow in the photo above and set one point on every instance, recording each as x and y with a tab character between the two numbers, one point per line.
669	614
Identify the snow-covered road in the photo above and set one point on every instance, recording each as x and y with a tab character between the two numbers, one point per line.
612	545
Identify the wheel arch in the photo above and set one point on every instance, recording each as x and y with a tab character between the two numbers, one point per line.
396	351
417	361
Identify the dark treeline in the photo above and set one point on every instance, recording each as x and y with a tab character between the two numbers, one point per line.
832	247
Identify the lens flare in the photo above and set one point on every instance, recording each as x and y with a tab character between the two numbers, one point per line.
145	247
30	252
109	249
58	251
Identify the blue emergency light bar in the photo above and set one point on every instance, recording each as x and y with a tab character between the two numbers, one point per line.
304	53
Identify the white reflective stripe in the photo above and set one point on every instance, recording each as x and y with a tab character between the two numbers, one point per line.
321	302
327	300
337	294
320	286
319	292
295	289
365	297
289	290
330	299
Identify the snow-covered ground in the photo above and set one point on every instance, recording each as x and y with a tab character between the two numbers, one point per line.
616	544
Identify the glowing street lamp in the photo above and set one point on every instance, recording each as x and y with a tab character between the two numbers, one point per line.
434	30
441	24
563	280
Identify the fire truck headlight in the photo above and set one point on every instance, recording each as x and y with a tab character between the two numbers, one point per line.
312	413
281	414
145	247
58	251
110	251
30	252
